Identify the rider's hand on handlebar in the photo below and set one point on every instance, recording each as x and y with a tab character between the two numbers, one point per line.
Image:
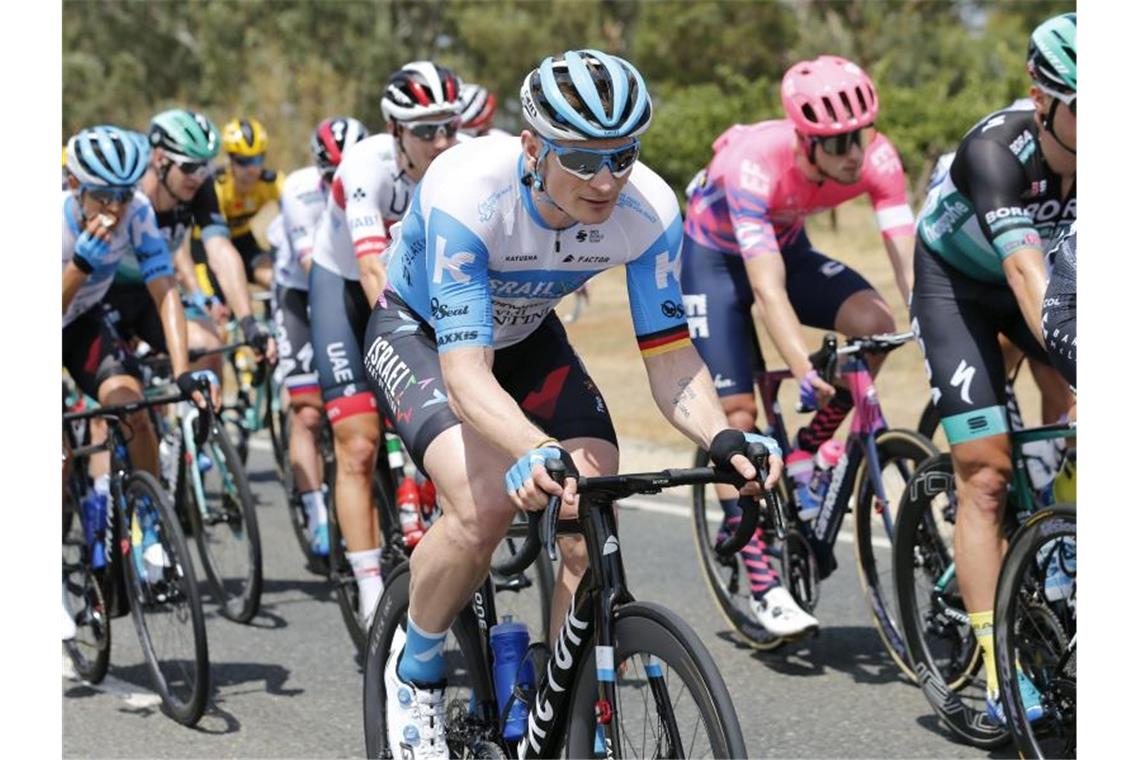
823	390
258	337
730	443
187	382
530	486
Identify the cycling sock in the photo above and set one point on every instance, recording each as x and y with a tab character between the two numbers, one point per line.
366	569
422	662
983	625
761	575
315	511
825	422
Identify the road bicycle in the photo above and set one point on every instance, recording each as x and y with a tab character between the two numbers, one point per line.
875	466
935	626
627	679
146	567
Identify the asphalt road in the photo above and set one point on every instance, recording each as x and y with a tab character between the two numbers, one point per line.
289	684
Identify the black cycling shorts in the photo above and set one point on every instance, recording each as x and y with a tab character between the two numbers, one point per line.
542	373
93	351
247	246
956	320
131	310
295	368
718	303
338	314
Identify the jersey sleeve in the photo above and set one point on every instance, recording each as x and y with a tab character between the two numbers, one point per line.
887	188
148	243
996	181
207	212
299	225
360	192
747	192
458	284
653	280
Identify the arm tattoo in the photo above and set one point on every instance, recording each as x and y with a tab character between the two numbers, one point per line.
685	393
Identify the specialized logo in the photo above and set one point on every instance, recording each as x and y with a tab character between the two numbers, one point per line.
452	264
963	376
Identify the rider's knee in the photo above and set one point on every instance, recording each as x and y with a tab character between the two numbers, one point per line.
306	411
475	535
987	484
741	412
355	452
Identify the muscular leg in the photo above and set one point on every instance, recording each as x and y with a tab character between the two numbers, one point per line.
356	441
982	471
865	313
1056	398
143	446
303	455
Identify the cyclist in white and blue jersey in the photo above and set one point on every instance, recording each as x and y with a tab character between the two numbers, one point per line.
468	358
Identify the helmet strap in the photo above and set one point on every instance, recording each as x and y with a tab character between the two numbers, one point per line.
1047	124
398	133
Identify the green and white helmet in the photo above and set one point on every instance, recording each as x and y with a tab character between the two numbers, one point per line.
1052	58
188	135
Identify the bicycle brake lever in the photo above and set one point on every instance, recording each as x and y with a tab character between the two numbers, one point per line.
557	471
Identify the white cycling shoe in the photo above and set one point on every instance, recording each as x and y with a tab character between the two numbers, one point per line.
415	714
778	612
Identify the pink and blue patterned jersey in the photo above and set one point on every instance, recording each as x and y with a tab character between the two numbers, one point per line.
752	199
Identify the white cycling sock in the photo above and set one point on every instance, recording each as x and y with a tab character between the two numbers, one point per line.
366	568
315	511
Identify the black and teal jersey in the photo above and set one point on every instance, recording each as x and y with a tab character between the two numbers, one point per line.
998	197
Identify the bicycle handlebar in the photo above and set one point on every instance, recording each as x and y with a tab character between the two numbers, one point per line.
621	486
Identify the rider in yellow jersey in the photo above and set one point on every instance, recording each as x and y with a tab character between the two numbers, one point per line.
243	187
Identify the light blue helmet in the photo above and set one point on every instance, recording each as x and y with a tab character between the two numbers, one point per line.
586	95
107	156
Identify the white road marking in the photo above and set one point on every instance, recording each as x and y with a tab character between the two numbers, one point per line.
134	696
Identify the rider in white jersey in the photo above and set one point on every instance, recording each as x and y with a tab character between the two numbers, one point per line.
475	369
292	235
371	189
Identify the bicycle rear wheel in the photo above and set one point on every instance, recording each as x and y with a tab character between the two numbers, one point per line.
671	700
469	696
1035	626
900	452
941	646
90	650
727	578
219	503
165	604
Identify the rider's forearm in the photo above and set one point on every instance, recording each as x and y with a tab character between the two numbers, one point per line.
169	305
684	392
900	250
184	268
73	279
1025	273
372	276
226	262
479	401
780	320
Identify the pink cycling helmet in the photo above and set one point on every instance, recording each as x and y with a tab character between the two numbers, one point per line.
828	96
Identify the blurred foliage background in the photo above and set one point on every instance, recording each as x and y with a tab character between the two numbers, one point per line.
939	64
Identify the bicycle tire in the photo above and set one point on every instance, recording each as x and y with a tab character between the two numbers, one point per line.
650	629
894	446
90	650
1014	635
391	613
726	594
275	423
929	421
186	702
917	541
225	528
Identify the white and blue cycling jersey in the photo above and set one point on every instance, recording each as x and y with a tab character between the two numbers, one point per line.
136	243
475	260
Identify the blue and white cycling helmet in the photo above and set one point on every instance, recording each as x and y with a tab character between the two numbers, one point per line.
586	95
107	156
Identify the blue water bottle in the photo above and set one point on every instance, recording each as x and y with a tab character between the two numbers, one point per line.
509	642
94	505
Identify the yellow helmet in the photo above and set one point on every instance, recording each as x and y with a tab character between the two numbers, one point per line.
244	137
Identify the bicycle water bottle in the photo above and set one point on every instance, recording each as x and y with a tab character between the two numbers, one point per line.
800	467
95	520
826	458
509	642
408	504
395	454
428	509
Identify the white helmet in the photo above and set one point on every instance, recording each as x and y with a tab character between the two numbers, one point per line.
418	89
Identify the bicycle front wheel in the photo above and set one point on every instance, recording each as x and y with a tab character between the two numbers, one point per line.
216	495
1035	627
940	643
900	452
727	578
165	605
670	699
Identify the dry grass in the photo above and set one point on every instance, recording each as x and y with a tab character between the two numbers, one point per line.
603	336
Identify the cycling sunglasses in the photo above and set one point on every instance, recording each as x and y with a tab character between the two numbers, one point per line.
840	145
191	168
257	160
1068	98
105	196
428	131
584	163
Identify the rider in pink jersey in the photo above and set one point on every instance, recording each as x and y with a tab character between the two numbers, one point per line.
745	244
